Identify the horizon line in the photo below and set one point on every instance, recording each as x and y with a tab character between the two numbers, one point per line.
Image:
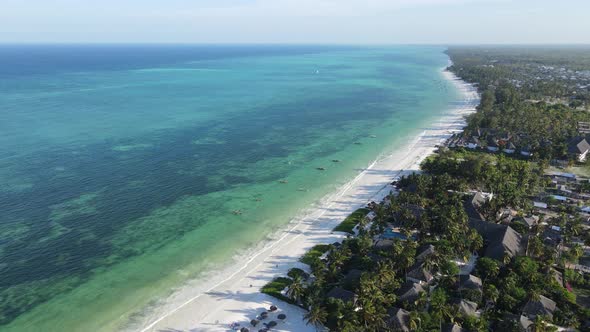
105	43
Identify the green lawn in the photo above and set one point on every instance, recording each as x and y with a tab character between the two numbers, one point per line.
348	224
314	253
275	287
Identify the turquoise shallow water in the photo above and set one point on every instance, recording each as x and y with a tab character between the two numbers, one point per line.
121	165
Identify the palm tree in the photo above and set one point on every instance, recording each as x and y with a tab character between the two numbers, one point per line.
316	316
491	293
372	315
296	289
438	303
534	246
415	321
539	325
386	276
421	300
577	251
535	295
380	213
432	261
362	222
506	258
475	239
487	267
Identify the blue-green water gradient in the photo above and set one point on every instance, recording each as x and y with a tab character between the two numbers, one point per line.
120	166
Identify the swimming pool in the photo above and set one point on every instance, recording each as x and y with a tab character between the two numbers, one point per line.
391	234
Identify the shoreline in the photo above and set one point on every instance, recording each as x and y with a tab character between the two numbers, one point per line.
214	304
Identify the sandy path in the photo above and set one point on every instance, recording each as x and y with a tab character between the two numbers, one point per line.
237	298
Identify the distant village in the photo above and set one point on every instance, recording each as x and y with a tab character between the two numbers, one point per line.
492	141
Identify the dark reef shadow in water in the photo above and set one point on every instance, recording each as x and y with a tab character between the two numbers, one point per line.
65	251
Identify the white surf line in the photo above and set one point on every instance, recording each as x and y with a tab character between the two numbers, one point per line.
271	246
275	242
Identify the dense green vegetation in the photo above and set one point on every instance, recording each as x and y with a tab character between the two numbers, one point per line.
351	221
430	208
538	72
315	253
512	181
275	287
524	102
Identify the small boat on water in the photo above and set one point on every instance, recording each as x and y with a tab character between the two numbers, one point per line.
237	212
358	143
335	160
283	181
320	168
373	136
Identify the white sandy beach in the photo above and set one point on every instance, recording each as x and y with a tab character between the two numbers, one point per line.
215	304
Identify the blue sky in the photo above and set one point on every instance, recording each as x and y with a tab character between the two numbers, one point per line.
296	21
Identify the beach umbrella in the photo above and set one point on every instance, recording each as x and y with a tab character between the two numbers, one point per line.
272	323
273	308
254	322
282	316
244	329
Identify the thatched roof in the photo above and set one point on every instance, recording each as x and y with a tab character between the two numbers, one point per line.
342	294
543	306
466	308
578	145
557	276
419	272
352	275
424	251
529	221
522	321
351	279
452	328
473	206
399	319
499	240
384	244
409	292
469	281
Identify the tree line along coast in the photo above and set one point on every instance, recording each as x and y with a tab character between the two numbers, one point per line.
492	234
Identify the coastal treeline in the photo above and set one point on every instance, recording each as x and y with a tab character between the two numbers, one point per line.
444	268
542	73
487	237
533	99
